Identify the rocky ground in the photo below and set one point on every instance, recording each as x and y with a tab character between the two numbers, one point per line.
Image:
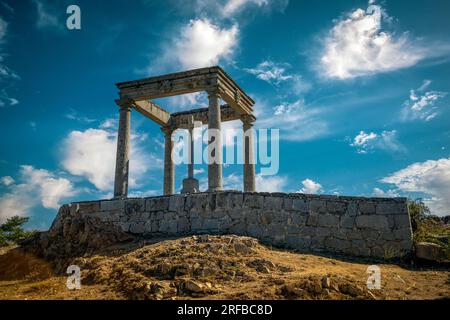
213	267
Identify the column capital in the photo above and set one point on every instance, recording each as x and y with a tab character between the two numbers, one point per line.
125	103
167	130
248	119
214	92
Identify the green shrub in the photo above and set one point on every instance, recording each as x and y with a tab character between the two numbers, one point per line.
428	228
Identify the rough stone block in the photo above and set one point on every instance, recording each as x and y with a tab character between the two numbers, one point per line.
347	221
352	209
391	208
236	200
366	208
133	206
273	203
157	204
298	219
112	205
176	203
210	224
317	206
253	201
255	230
312	219
402	221
402	234
88	207
168	226
300	205
328	220
183	225
375	222
336	207
137	227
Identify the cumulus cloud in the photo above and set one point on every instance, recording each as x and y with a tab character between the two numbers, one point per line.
431	178
386	140
92	154
295	121
36	187
422	103
264	183
7	180
358	45
391	193
310	187
200	43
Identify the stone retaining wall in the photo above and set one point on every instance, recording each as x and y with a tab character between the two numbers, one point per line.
370	227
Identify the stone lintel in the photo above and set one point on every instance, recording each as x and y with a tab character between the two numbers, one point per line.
204	79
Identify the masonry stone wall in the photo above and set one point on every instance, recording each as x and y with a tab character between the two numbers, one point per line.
357	226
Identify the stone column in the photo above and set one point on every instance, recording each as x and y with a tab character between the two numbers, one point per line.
214	124
249	160
191	154
123	150
169	170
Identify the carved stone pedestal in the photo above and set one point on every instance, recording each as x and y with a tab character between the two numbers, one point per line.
190	185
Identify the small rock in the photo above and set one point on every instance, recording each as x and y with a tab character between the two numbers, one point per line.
192	286
326	282
242	248
351	290
429	251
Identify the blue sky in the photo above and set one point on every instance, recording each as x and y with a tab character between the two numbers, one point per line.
359	92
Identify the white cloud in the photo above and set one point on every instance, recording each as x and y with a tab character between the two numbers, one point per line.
92	154
422	104
75	115
431	178
310	187
233	6
391	193
368	142
271	72
7	76
277	73
200	44
235	181
270	183
230	9
46	15
37	187
7	180
295	121
357	45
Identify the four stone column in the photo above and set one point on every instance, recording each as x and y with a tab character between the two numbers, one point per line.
214	150
123	150
169	169
214	142
249	161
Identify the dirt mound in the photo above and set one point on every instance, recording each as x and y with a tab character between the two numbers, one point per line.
16	264
201	266
211	267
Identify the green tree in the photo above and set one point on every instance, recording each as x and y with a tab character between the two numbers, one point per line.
12	230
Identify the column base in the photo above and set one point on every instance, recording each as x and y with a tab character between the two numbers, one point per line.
190	185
